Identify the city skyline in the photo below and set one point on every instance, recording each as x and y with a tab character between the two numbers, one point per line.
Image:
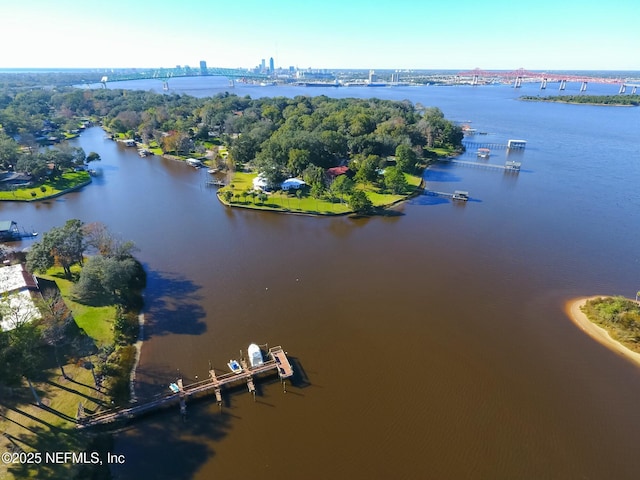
333	35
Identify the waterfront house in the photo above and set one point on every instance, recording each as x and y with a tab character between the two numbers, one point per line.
334	172
292	183
260	183
17	287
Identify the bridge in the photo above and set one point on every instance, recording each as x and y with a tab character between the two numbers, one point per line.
517	77
164	74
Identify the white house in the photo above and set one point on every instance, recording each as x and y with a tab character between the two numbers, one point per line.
260	183
16	302
292	183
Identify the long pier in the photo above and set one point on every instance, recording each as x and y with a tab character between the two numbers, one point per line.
460	195
509	166
277	362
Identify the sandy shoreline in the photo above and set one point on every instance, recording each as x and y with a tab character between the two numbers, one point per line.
599	334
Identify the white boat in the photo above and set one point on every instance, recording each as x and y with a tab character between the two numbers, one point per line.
235	366
213	170
255	355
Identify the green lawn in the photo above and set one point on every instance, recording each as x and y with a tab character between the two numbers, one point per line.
66	181
97	322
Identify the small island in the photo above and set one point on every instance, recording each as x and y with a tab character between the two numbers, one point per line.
605	100
612	321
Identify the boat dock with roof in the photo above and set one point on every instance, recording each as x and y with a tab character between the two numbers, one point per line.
276	362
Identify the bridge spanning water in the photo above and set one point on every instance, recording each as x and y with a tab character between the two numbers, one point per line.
164	74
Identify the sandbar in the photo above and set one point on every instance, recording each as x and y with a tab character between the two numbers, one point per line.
599	334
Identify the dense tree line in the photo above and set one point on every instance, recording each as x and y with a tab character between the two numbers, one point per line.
282	135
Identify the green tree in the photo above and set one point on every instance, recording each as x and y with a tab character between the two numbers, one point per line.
9	151
298	161
342	186
92	157
62	244
406	158
359	202
395	180
368	169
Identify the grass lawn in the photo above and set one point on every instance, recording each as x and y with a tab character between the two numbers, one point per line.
288	201
97	322
66	181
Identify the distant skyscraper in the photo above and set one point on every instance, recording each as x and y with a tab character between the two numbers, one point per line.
271	69
203	67
262	66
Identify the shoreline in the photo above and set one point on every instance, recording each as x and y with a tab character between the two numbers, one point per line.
573	310
138	347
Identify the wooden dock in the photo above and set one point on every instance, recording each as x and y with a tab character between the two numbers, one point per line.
215	183
277	362
460	195
509	166
511	145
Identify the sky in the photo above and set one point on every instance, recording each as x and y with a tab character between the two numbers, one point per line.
329	34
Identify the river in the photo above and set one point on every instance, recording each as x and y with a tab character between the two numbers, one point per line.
429	344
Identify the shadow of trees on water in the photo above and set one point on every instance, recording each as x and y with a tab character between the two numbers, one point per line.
172	305
176	448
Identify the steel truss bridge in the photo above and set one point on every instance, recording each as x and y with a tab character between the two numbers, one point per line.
164	74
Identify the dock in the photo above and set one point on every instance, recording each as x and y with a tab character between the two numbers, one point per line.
510	145
9	231
460	195
216	183
509	165
277	362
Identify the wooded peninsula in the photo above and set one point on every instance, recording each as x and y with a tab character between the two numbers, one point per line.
377	145
611	100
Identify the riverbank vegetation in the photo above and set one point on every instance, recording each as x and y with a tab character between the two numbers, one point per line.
619	316
278	138
612	100
78	355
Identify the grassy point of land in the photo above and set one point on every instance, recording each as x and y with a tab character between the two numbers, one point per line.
242	183
67	182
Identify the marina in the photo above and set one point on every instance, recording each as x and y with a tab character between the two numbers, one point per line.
277	362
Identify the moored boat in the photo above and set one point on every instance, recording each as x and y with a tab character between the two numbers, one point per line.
235	366
255	355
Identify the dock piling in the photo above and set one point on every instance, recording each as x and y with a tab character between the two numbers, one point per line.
277	360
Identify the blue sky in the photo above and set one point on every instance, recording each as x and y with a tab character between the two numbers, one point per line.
382	34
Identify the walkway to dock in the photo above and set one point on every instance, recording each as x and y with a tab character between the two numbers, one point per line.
277	362
509	166
457	195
